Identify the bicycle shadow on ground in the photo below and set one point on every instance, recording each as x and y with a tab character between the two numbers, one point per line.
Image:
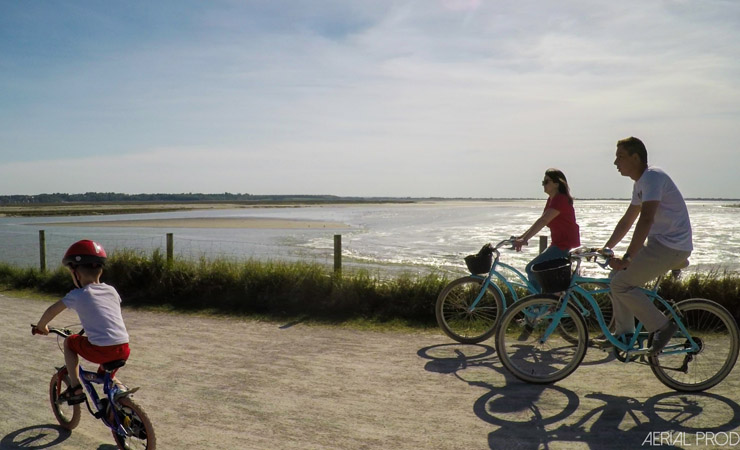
35	437
537	416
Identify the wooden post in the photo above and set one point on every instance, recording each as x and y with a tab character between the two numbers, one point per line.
543	243
337	253
170	248
42	250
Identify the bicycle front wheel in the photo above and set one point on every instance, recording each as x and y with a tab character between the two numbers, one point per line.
459	319
715	330
67	415
526	351
139	432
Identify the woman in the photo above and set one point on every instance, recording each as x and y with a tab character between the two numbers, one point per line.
559	216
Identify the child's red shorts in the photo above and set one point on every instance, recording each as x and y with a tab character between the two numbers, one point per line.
97	354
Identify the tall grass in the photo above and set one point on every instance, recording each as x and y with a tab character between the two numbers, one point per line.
280	289
277	289
721	286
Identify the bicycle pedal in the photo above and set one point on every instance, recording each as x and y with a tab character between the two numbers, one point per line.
637	353
121	394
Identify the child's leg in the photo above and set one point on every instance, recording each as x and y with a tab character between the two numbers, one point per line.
72	361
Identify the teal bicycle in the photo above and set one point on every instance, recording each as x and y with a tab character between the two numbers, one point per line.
468	308
543	338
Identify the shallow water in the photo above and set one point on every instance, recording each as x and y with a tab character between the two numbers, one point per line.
421	237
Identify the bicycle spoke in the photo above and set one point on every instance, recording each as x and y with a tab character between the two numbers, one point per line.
715	332
457	316
526	350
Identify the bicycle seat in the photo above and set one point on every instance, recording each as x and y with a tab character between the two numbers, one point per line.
113	365
682	265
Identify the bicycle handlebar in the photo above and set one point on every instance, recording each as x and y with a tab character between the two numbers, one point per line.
588	253
509	241
63	332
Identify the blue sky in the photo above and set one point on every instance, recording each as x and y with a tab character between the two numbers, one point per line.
446	98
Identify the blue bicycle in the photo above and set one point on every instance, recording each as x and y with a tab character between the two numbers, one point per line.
129	424
468	308
544	337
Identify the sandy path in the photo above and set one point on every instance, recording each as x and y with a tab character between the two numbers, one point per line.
219	383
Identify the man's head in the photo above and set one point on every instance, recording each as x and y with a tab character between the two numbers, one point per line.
631	159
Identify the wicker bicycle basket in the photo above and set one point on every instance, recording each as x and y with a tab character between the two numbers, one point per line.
481	262
553	275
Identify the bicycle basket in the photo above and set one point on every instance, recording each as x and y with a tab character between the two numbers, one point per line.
481	262
553	275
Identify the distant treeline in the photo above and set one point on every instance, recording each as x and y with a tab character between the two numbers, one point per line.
114	197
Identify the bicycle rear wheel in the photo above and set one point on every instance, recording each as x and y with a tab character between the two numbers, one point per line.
459	320
519	340
67	415
716	332
139	430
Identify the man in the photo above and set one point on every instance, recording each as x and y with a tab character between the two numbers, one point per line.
662	220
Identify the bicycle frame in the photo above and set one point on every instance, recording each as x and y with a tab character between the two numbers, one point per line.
522	282
110	390
627	347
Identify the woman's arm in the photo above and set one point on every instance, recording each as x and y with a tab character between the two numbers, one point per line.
547	216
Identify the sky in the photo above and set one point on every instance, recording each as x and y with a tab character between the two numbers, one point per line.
417	98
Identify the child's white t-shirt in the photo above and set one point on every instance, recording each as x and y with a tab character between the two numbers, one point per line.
99	307
672	226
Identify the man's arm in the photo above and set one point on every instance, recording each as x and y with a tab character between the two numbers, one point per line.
623	226
642	229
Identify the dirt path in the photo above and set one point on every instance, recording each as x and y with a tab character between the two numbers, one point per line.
217	383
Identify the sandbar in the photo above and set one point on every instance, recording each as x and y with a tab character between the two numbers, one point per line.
211	222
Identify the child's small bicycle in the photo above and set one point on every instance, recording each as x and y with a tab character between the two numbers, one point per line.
128	422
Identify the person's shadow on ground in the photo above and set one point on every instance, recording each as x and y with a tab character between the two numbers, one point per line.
35	437
536	416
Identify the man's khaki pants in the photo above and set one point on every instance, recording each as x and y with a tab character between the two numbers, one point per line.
653	260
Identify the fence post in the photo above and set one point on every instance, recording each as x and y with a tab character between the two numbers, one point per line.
543	243
170	248
337	253
42	250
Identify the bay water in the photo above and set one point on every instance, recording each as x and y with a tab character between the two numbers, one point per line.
419	237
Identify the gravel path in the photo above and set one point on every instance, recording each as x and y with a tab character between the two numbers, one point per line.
224	383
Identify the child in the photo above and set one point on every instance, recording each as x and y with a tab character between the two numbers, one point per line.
98	306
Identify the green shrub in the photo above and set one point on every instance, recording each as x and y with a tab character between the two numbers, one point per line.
282	289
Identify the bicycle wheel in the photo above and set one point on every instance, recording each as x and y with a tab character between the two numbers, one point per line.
67	415
519	340
458	320
716	332
138	427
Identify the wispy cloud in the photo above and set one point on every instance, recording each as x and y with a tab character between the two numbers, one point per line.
360	98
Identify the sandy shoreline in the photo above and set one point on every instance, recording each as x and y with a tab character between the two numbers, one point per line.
207	222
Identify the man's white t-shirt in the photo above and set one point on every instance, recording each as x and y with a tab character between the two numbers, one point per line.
99	307
672	226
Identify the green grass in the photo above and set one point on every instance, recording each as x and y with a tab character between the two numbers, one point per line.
277	290
297	292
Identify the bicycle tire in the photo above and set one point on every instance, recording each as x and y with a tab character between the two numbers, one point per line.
139	430
455	317
518	340
719	339
67	415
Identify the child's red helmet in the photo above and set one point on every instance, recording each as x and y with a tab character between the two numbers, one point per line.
85	252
